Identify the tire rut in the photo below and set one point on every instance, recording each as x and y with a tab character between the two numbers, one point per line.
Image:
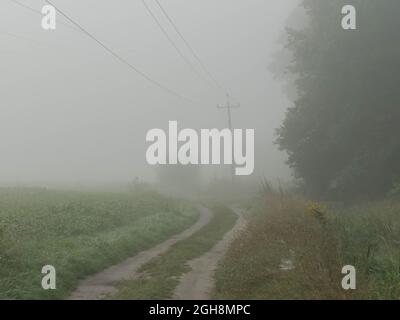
198	283
98	286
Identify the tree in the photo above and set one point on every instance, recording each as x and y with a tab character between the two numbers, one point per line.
342	133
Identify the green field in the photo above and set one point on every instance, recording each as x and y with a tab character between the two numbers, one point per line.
78	233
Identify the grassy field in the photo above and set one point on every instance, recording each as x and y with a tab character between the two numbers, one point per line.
78	233
161	275
294	249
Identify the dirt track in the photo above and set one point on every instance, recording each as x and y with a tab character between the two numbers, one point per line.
97	286
198	283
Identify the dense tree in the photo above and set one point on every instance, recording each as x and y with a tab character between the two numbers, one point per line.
342	133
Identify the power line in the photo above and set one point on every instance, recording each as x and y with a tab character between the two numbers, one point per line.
118	57
189	46
16	36
191	49
25	6
186	60
38	12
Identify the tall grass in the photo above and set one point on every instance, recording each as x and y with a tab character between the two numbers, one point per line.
78	233
370	240
292	249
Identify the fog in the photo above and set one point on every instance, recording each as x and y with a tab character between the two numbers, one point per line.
71	113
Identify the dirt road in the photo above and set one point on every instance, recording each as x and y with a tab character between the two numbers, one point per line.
198	283
101	284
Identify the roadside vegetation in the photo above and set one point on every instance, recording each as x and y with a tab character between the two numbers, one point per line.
295	249
341	135
78	233
160	276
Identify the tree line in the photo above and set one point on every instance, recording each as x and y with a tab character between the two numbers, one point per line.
342	132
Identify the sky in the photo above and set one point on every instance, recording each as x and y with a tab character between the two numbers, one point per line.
73	113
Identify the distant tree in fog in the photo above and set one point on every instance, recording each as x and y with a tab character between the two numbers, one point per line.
342	133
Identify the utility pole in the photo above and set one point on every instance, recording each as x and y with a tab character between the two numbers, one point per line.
228	107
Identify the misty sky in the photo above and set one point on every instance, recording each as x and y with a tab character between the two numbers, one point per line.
70	112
